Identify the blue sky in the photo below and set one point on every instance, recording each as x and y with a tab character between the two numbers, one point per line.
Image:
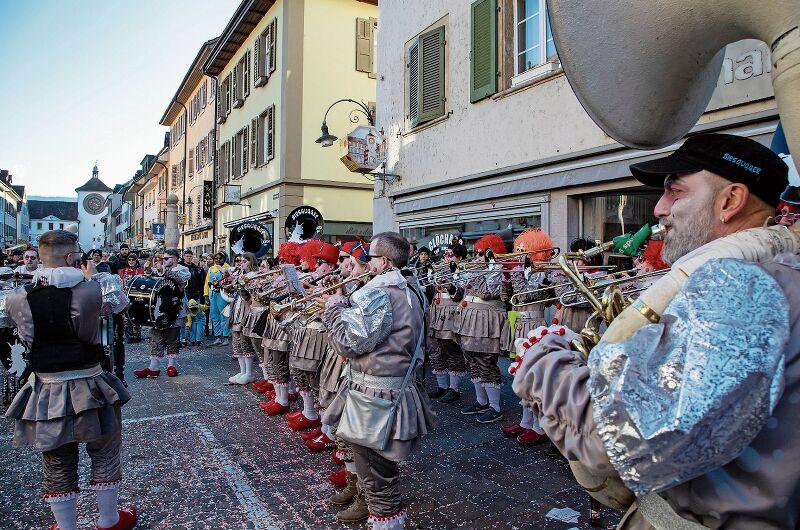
86	80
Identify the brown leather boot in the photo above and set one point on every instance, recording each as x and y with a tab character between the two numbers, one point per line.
346	496
357	511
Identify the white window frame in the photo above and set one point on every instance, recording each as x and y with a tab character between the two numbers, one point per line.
546	65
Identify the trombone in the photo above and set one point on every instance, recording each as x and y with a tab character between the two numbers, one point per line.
603	284
306	303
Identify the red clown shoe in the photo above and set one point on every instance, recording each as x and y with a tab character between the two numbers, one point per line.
146	372
294	415
302	423
310	435
512	431
273	408
127	520
317	445
339	478
530	438
336	456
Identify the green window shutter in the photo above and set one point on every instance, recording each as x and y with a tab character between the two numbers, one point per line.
413	83
483	51
431	75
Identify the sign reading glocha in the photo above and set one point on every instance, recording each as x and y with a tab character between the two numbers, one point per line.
251	237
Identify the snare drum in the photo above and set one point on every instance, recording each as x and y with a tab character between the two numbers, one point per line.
155	301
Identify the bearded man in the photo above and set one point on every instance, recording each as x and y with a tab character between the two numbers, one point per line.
689	420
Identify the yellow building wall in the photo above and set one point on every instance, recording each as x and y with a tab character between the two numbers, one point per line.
329	74
340	205
260	99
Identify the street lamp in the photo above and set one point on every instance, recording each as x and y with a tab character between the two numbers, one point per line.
327	139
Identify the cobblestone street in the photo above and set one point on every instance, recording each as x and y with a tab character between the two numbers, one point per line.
199	454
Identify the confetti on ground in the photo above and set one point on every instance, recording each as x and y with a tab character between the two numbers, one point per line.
201	455
568	515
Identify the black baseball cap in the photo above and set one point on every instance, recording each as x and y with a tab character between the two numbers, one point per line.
734	158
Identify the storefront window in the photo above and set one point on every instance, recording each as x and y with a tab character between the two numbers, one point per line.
507	227
607	216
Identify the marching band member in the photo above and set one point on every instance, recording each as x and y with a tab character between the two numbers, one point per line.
574	317
253	329
131	268
240	309
530	317
214	299
167	339
68	399
276	341
308	343
692	415
484	332
380	330
444	322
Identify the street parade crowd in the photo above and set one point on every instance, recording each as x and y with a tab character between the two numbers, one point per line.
670	384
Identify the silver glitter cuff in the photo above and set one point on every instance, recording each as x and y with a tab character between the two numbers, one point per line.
368	320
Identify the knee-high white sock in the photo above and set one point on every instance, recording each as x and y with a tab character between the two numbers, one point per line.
171	360
326	429
350	467
308	405
527	418
241	364
65	513
443	380
155	362
455	381
480	393
107	507
282	394
248	366
493	392
533	423
264	371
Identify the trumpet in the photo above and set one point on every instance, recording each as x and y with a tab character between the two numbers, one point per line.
261	275
512	255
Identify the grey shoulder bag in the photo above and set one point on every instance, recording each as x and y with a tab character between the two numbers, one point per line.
367	420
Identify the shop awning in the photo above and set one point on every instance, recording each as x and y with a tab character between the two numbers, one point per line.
272	214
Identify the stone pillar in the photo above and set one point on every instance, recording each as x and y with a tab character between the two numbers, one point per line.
171	233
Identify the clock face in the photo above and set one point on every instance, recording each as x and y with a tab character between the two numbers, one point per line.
93	203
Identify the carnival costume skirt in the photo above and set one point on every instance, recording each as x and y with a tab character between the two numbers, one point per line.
308	347
49	415
239	311
414	418
526	322
444	319
276	337
250	326
484	327
574	318
330	375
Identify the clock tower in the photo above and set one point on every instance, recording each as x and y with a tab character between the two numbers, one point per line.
91	208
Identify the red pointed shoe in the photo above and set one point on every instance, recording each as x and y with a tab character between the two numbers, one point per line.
273	408
310	435
257	386
317	445
511	431
146	372
267	386
269	394
127	520
336	456
339	478
530	438
294	415
172	371
302	423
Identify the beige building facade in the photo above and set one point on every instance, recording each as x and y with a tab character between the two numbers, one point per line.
278	66
191	121
487	136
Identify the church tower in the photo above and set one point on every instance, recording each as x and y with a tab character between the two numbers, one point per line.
91	208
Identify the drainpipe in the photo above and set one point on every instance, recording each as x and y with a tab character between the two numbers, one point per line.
185	161
215	177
